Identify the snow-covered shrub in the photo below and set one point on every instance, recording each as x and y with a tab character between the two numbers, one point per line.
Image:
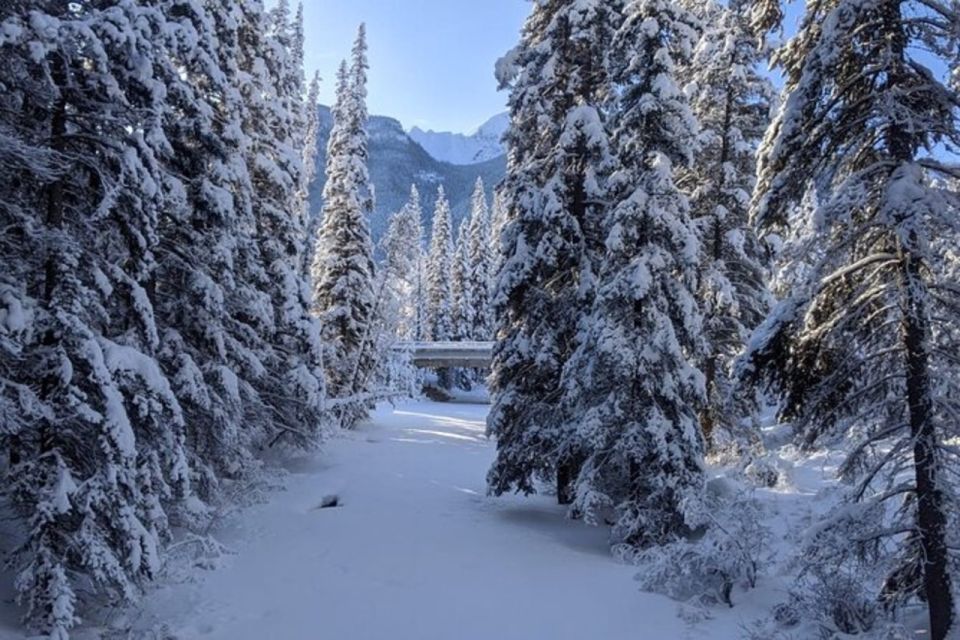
851	581
397	376
727	549
837	603
765	629
761	472
747	454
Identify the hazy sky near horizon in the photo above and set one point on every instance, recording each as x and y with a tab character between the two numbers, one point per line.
431	61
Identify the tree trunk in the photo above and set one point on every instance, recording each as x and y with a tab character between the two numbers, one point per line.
707	417
565	477
931	516
931	520
54	212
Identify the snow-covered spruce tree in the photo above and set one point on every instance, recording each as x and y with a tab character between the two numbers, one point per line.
401	246
20	406
252	340
292	385
406	239
343	270
103	456
215	300
732	102
555	202
498	219
311	223
396	275
461	302
359	66
866	344
297	77
460	310
437	280
632	388
438	271
479	261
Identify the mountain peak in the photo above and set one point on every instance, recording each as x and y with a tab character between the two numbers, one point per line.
460	149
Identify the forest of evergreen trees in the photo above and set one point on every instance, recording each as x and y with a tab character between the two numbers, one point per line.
681	248
678	247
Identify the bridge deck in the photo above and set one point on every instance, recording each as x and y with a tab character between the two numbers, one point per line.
449	354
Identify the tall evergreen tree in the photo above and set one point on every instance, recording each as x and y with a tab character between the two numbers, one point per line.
252	339
309	155
866	344
631	386
732	102
498	220
552	243
418	323
479	261
460	293
298	78
200	232
438	272
101	457
153	327
343	270
461	302
437	280
402	247
359	116
407	237
292	384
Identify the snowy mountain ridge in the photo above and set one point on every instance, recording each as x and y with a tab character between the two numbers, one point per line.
456	148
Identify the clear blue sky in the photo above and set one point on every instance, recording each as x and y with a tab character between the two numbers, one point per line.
431	61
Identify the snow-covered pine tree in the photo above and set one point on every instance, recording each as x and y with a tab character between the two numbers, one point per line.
103	456
631	386
211	352
298	78
250	341
418	316
439	305
479	261
343	270
866	344
359	116
498	219
402	247
20	406
461	302
554	196
406	235
143	300
418	331
459	293
292	383
309	174
732	100
438	271
307	115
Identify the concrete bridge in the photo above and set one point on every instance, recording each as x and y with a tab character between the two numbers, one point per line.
439	355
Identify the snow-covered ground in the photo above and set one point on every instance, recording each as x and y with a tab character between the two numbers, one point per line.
417	551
